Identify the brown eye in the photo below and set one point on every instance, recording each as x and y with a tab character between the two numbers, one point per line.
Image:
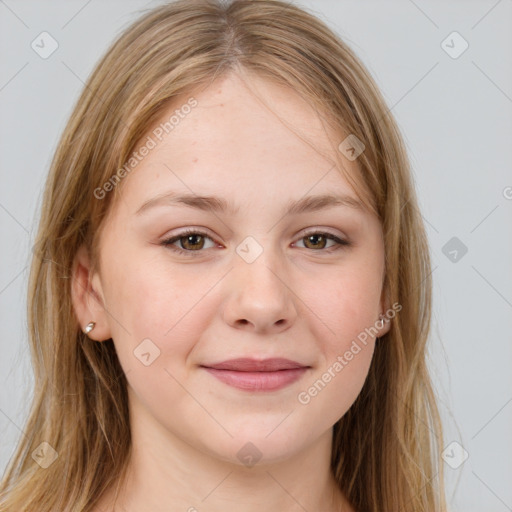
317	241
192	242
189	241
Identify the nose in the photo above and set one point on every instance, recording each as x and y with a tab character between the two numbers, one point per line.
260	297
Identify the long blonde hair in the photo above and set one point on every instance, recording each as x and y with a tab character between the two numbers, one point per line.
385	454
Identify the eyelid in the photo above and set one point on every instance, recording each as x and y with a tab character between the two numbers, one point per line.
320	230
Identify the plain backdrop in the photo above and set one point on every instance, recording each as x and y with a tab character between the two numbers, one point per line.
451	94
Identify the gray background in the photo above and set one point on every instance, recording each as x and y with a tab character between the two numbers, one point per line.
455	114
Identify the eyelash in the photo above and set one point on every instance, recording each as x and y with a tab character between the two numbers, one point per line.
169	241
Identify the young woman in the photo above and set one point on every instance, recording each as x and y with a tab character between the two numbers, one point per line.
231	295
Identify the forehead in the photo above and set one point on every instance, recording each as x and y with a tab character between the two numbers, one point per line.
245	137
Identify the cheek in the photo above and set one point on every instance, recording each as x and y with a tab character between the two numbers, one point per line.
342	370
344	309
162	320
148	302
335	388
345	305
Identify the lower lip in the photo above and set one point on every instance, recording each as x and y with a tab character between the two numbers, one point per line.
258	381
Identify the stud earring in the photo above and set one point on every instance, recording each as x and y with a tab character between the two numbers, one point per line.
89	327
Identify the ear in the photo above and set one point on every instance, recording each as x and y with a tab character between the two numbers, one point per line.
87	297
385	305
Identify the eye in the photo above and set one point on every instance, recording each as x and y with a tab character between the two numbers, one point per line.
317	240
190	240
193	240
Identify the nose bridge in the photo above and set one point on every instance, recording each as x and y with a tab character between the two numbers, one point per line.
258	264
260	295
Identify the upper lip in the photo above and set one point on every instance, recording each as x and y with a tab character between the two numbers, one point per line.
245	364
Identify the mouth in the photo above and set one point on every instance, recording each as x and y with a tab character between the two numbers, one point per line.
257	375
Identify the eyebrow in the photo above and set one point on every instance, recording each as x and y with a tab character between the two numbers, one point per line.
220	205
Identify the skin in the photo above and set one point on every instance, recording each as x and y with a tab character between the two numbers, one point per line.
297	300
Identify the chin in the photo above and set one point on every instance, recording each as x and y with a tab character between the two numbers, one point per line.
255	446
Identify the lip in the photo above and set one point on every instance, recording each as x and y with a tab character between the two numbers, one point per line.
257	375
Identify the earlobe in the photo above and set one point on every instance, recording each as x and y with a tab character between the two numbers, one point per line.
87	297
384	322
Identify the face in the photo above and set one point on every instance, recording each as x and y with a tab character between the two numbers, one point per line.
186	284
